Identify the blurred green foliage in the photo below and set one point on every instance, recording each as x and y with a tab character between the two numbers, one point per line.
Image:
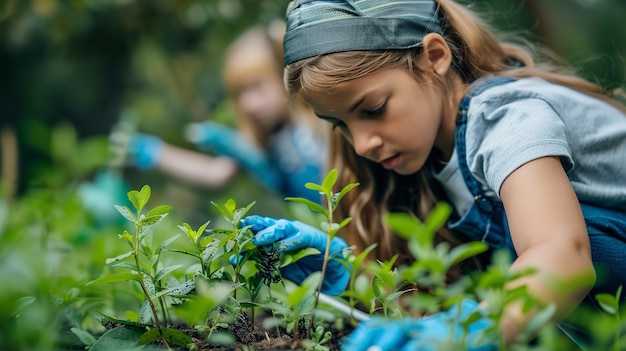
83	63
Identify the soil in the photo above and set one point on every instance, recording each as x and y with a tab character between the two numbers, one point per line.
252	337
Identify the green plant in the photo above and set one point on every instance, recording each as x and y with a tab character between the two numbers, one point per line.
329	226
145	269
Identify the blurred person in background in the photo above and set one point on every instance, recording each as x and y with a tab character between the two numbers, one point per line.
280	143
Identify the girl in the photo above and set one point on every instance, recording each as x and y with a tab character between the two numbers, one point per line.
277	143
426	105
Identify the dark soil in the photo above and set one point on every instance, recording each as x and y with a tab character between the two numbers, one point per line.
252	337
249	336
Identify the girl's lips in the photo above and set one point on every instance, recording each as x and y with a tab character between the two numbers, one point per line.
391	162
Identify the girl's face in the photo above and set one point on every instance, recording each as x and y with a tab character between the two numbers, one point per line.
389	118
257	89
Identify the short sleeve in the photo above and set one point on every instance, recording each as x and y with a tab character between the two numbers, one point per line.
505	132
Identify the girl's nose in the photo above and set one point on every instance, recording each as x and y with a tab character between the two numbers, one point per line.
365	141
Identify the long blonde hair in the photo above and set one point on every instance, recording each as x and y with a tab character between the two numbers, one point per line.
477	52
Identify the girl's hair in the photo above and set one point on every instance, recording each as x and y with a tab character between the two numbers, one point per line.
266	43
477	52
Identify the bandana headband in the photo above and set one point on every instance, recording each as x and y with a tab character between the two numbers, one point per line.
317	27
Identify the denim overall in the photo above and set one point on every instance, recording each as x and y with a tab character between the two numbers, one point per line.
486	220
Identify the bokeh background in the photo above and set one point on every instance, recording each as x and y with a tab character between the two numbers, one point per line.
70	69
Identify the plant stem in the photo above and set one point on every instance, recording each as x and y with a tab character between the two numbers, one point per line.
155	315
326	258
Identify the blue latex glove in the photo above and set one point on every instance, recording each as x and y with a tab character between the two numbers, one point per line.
225	141
294	235
427	333
145	150
100	197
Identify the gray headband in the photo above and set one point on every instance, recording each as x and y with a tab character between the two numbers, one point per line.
316	27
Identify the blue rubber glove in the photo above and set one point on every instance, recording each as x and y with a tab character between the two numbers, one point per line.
427	333
294	235
225	141
144	150
100	197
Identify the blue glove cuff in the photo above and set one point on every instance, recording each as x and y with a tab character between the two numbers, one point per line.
145	150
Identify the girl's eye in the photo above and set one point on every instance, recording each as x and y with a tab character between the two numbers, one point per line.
376	112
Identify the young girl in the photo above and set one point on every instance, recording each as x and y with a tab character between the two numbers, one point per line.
280	145
428	105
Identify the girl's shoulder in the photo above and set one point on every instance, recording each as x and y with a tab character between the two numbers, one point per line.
489	97
499	88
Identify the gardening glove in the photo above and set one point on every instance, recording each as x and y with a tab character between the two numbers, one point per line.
137	149
100	196
427	333
294	235
225	141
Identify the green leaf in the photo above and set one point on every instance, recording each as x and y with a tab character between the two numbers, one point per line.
540	319
180	290
147	225
114	278
378	288
126	212
173	337
437	217
293	256
358	260
85	337
159	210
314	186
228	214
145	313
305	305
128	265
329	181
139	198
209	252
344	223
405	225
118	338
202	228
344	191
221	338
315	207
465	251
167	242
149	284
104	319
165	271
608	303
23	302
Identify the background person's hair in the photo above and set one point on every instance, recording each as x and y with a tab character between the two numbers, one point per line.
477	52
265	41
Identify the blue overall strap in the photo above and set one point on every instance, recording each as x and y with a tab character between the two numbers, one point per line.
485	219
484	202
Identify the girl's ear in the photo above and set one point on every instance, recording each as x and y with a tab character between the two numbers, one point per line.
437	56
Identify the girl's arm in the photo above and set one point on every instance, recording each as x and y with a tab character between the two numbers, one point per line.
195	167
549	235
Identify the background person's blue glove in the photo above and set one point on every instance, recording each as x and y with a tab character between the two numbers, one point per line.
144	150
427	333
225	141
294	235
